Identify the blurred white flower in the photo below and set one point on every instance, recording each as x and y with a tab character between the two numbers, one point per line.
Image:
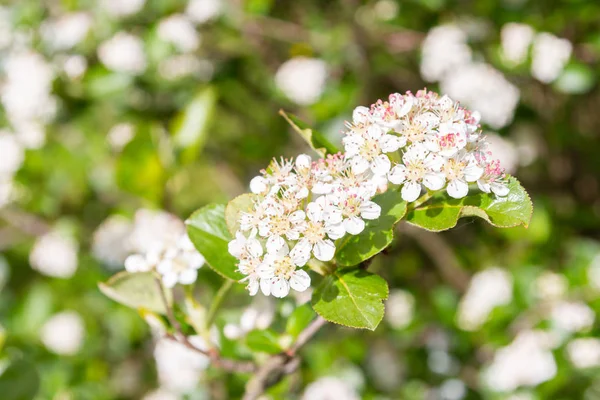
527	361
66	31
482	88
182	65
26	93
179	31
452	389
161	394
179	263
12	154
572	316
201	11
109	243
123	52
54	254
550	286
6	191
516	39
122	8
302	79
120	134
443	50
258	315
63	333
503	150
488	289
399	309
386	10
6	28
75	66
330	388
441	362
388	378
584	352
179	368
550	55
154	230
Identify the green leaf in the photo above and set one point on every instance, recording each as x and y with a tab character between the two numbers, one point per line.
19	381
235	207
190	126
299	319
137	290
442	212
378	233
351	297
208	231
317	141
264	341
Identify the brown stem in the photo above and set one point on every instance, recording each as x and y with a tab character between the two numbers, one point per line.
280	365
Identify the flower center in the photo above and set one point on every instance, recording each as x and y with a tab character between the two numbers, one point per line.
284	268
351	206
370	150
415	170
454	169
280	225
314	232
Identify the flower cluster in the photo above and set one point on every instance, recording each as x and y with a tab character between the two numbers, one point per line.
303	207
176	262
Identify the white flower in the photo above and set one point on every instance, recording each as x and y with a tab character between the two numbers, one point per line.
178	30
259	315
154	230
142	262
584	352
75	66
330	388
399	308
355	205
420	168
120	134
302	79
365	151
13	154
551	286
527	361
516	39
316	232
180	264
444	49
54	254
492	179
180	368
459	171
123	53
63	333
280	225
279	272
487	290
109	243
572	316
550	55
66	31
242	247
120	8
201	11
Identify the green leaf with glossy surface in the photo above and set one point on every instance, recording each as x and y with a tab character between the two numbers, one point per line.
317	141
351	297
378	233
442	212
208	231
264	341
190	126
235	207
299	319
19	381
137	290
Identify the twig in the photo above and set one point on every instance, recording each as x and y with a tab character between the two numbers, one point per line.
280	365
213	354
441	254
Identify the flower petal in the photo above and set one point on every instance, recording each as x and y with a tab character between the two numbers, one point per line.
411	191
300	281
324	250
381	165
188	276
354	225
457	188
398	174
434	180
370	210
280	287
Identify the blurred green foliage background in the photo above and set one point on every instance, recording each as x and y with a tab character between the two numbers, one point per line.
162	121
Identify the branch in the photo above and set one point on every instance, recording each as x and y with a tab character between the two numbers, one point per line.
213	354
280	365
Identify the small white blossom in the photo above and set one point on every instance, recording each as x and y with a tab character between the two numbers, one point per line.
202	11
179	31
179	368
54	254
516	39
67	31
572	316
123	52
302	79
278	273
584	352
550	55
63	333
120	8
180	264
399	309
